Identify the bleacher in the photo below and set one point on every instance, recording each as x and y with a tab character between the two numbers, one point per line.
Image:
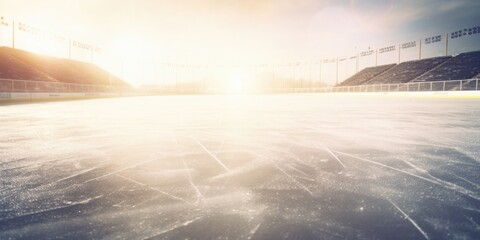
462	66
407	71
365	75
22	65
13	68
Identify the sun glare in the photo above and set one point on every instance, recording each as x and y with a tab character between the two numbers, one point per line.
131	52
236	82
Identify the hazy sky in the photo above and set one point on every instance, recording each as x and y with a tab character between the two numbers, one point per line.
247	30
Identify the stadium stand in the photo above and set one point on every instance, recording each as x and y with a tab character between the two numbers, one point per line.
365	75
407	71
462	66
22	65
13	68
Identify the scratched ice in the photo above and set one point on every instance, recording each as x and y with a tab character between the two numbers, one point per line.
241	167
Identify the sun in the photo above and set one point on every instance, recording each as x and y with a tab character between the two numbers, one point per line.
236	82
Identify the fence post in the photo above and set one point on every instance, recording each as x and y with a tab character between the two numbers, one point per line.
460	85
431	86
408	87
418	87
444	86
476	85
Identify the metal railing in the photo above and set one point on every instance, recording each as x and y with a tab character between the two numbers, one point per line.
451	85
14	85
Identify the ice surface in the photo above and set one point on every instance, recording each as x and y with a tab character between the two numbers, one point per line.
241	167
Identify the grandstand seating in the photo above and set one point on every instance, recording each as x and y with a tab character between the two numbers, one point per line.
365	75
22	65
13	68
462	66
407	71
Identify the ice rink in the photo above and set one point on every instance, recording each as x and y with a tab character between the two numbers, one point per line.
300	166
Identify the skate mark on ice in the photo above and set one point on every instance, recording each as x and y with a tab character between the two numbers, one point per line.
410	220
212	155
